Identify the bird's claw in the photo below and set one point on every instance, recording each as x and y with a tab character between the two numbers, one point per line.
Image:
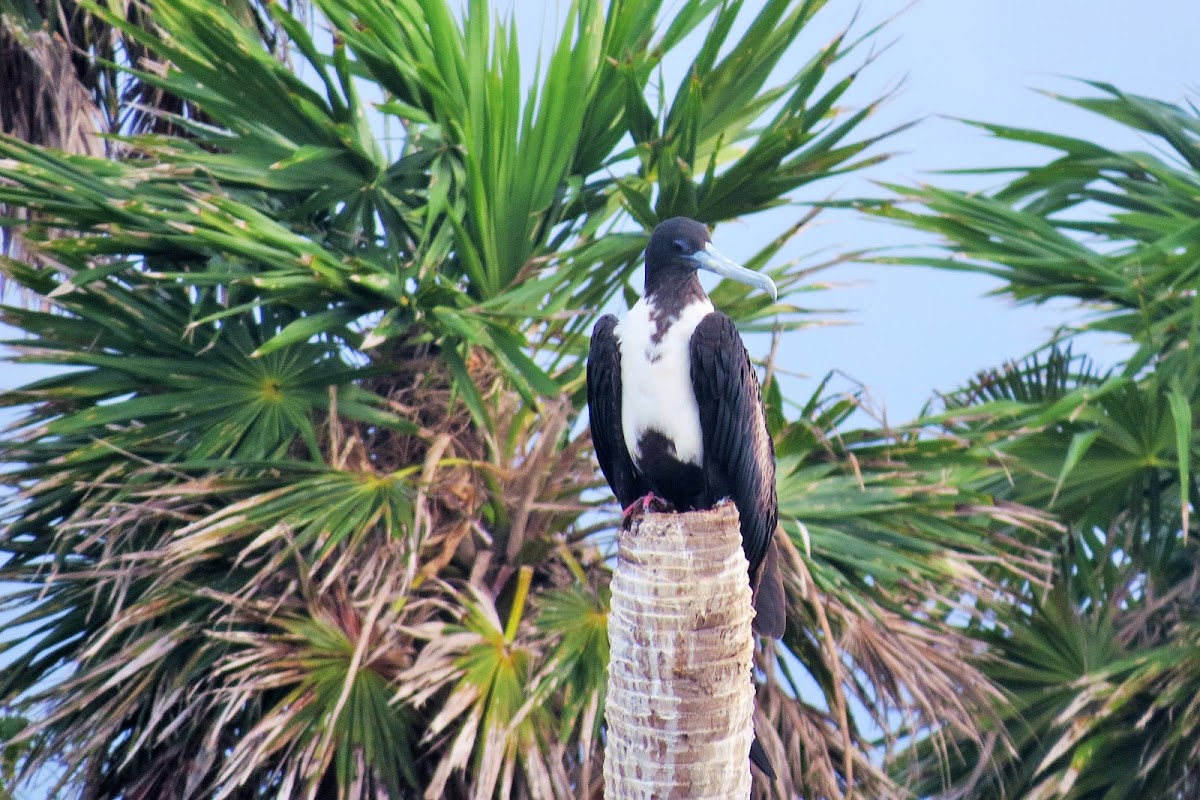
650	503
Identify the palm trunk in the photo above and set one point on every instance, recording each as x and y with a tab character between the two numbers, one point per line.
680	696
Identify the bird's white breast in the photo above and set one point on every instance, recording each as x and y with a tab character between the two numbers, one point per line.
656	379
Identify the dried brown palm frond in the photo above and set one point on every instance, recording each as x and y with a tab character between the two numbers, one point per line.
44	100
912	680
326	653
52	47
110	547
453	481
323	510
477	677
806	747
416	383
541	477
893	669
924	675
527	470
280	670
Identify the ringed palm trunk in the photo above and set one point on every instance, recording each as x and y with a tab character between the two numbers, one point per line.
680	697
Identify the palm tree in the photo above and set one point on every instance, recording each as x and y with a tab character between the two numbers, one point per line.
68	78
1101	667
309	509
67	74
679	712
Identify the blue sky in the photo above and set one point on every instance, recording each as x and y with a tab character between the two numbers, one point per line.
913	331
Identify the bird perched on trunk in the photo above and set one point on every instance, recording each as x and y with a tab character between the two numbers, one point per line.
676	409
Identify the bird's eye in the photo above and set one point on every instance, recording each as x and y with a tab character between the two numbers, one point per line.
680	246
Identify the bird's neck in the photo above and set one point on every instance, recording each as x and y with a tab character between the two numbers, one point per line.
671	291
662	309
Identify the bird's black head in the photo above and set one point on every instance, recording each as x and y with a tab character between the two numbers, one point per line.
676	239
679	247
670	255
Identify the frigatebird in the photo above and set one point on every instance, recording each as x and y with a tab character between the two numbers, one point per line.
676	408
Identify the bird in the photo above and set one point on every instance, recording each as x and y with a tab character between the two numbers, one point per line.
676	411
675	406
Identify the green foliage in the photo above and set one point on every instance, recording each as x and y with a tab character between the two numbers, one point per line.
896	542
10	756
321	329
1099	668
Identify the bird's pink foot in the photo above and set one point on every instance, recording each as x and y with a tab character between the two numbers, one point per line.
644	505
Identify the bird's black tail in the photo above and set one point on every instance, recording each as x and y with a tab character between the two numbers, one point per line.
758	757
770	601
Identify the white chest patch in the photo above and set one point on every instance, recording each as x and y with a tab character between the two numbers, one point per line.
656	380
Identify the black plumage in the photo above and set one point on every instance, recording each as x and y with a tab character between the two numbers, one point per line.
736	457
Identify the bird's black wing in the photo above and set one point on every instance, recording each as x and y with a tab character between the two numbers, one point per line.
739	457
604	411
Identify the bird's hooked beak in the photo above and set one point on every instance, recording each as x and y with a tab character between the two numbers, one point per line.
711	259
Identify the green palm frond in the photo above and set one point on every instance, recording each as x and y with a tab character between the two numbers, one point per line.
367	247
1036	379
494	737
1090	713
576	666
66	81
1098	669
895	549
317	430
332	722
1115	229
